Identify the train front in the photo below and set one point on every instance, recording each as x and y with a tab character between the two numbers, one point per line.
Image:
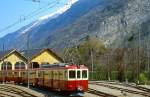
77	82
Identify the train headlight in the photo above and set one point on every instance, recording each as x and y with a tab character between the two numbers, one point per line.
70	86
80	88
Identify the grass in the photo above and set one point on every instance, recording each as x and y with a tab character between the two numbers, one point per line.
102	75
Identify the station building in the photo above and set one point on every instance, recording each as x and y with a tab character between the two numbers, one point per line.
37	57
14	59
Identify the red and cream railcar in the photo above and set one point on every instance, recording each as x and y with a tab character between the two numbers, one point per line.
9	75
64	78
61	77
1	76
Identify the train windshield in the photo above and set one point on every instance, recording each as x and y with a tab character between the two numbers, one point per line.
84	73
72	74
78	74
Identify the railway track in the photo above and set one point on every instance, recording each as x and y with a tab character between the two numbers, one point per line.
144	93
128	85
98	93
9	91
139	88
4	94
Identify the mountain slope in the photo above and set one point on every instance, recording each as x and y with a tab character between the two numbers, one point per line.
113	21
48	26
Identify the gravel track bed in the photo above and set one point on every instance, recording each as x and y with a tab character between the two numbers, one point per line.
114	91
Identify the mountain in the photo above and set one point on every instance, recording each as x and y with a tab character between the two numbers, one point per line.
45	27
116	22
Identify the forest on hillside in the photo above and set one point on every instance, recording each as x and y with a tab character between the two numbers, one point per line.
121	64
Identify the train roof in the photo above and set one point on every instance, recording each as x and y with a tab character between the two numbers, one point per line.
63	65
60	66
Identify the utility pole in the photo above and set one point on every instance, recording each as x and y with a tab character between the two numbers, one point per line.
108	67
139	58
125	47
148	47
3	65
139	49
125	60
126	63
28	62
92	64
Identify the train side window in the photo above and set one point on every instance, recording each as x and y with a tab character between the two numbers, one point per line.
78	74
65	73
84	73
49	74
72	74
40	74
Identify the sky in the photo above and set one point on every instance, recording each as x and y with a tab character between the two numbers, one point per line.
18	13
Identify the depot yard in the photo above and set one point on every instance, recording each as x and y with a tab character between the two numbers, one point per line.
120	89
96	89
11	90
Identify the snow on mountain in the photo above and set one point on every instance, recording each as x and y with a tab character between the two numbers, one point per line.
33	25
59	11
51	15
42	31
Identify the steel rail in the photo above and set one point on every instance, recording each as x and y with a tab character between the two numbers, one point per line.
124	90
129	85
16	91
5	95
99	93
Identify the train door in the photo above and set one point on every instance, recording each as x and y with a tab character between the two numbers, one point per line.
81	79
36	80
84	76
72	79
60	79
0	76
52	79
43	77
78	79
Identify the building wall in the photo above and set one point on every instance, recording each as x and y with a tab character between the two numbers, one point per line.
45	57
13	58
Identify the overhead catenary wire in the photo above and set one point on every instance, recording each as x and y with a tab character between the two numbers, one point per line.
31	15
10	26
51	6
34	13
36	1
43	8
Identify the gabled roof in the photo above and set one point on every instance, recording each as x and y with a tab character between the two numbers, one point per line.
3	53
6	54
50	51
28	54
31	54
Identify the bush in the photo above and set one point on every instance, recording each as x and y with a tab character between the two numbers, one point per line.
114	75
143	78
